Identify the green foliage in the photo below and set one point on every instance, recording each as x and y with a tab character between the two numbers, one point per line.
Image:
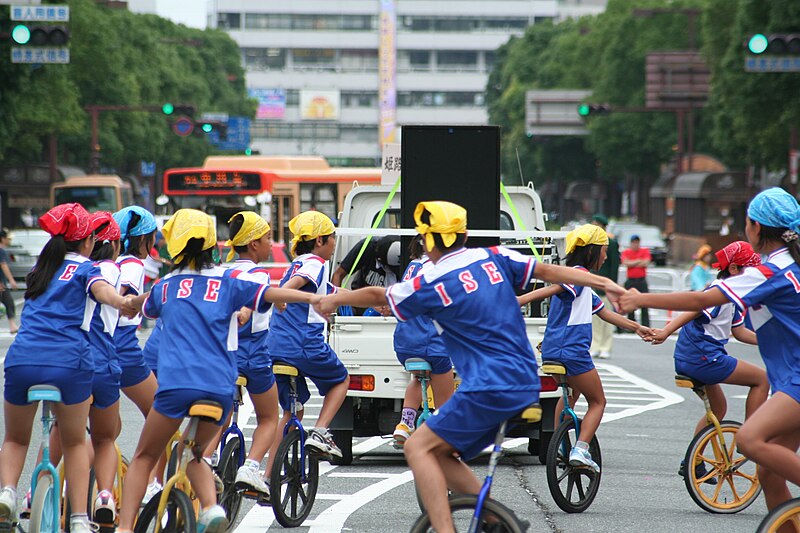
120	58
747	120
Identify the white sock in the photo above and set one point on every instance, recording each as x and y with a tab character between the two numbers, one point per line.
252	464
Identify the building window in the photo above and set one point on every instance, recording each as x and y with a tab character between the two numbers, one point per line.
256	21
264	58
439	99
359	60
229	21
292	97
359	99
314	58
457	60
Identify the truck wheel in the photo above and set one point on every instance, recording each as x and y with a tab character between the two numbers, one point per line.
344	440
539	446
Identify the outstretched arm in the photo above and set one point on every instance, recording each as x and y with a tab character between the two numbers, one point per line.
673	326
561	274
677	301
539	294
745	335
366	297
624	322
288	296
105	293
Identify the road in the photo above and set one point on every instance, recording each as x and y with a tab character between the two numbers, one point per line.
647	426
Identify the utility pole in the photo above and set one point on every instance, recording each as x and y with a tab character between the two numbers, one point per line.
94	111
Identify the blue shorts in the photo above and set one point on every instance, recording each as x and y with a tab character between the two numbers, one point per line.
323	368
439	364
105	389
469	421
75	384
133	375
259	380
175	403
575	365
708	370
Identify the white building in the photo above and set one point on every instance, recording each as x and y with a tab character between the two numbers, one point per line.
316	66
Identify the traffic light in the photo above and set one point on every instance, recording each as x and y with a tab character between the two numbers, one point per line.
221	128
774	44
585	110
40	35
178	109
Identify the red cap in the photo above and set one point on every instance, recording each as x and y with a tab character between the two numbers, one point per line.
111	230
737	253
71	221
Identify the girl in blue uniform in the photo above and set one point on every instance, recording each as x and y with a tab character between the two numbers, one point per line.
418	337
297	335
470	293
137	236
568	336
251	239
700	350
771	292
62	290
196	302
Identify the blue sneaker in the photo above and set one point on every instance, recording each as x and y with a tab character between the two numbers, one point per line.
212	520
580	457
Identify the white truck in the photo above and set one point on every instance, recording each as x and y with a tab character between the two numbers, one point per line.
365	344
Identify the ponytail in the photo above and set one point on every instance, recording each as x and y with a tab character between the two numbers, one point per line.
193	256
51	258
102	250
769	235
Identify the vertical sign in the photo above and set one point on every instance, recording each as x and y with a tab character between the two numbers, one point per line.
387	62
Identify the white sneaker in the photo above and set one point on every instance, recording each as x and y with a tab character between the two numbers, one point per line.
215	459
581	457
83	525
105	509
8	505
249	478
603	355
212	520
320	441
152	489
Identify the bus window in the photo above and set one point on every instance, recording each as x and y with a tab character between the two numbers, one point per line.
281	215
92	198
319	196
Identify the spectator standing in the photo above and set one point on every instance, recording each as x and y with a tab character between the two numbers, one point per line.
602	331
7	283
700	275
637	259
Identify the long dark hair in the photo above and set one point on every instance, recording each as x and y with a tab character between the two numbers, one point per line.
102	250
586	256
49	261
461	238
133	242
233	228
193	256
770	234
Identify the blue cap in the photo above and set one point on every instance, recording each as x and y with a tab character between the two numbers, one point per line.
775	208
635	238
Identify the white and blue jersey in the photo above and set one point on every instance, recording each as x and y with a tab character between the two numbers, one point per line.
198	313
569	326
300	330
132	279
771	293
104	323
418	336
251	353
470	294
55	323
705	337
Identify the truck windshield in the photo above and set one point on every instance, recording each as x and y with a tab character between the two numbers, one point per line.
92	198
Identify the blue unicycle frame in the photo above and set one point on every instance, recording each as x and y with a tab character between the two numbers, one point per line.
234	429
294	422
562	382
47	395
494	459
421	370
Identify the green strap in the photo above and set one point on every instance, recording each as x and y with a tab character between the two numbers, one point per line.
374	226
518	219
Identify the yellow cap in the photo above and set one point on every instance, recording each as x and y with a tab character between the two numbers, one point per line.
188	224
309	225
447	219
253	228
586	235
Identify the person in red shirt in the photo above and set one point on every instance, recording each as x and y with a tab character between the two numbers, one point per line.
637	259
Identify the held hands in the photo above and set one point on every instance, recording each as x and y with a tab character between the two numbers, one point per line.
659	336
324	305
244	314
627	301
128	306
646	333
280	306
614	292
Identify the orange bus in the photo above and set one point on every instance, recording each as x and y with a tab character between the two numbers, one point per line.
279	187
94	192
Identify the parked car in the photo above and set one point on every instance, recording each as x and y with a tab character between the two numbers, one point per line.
24	250
651	238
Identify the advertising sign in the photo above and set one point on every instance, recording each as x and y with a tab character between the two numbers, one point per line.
323	104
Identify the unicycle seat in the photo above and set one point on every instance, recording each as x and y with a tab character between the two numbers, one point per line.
415	365
687	382
44	393
207	410
283	369
241	381
554	368
529	415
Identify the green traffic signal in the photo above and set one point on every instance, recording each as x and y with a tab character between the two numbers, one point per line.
758	43
208	128
21	34
168	109
248	151
584	110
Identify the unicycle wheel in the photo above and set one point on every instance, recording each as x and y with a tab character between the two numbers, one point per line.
572	488
462	508
293	481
